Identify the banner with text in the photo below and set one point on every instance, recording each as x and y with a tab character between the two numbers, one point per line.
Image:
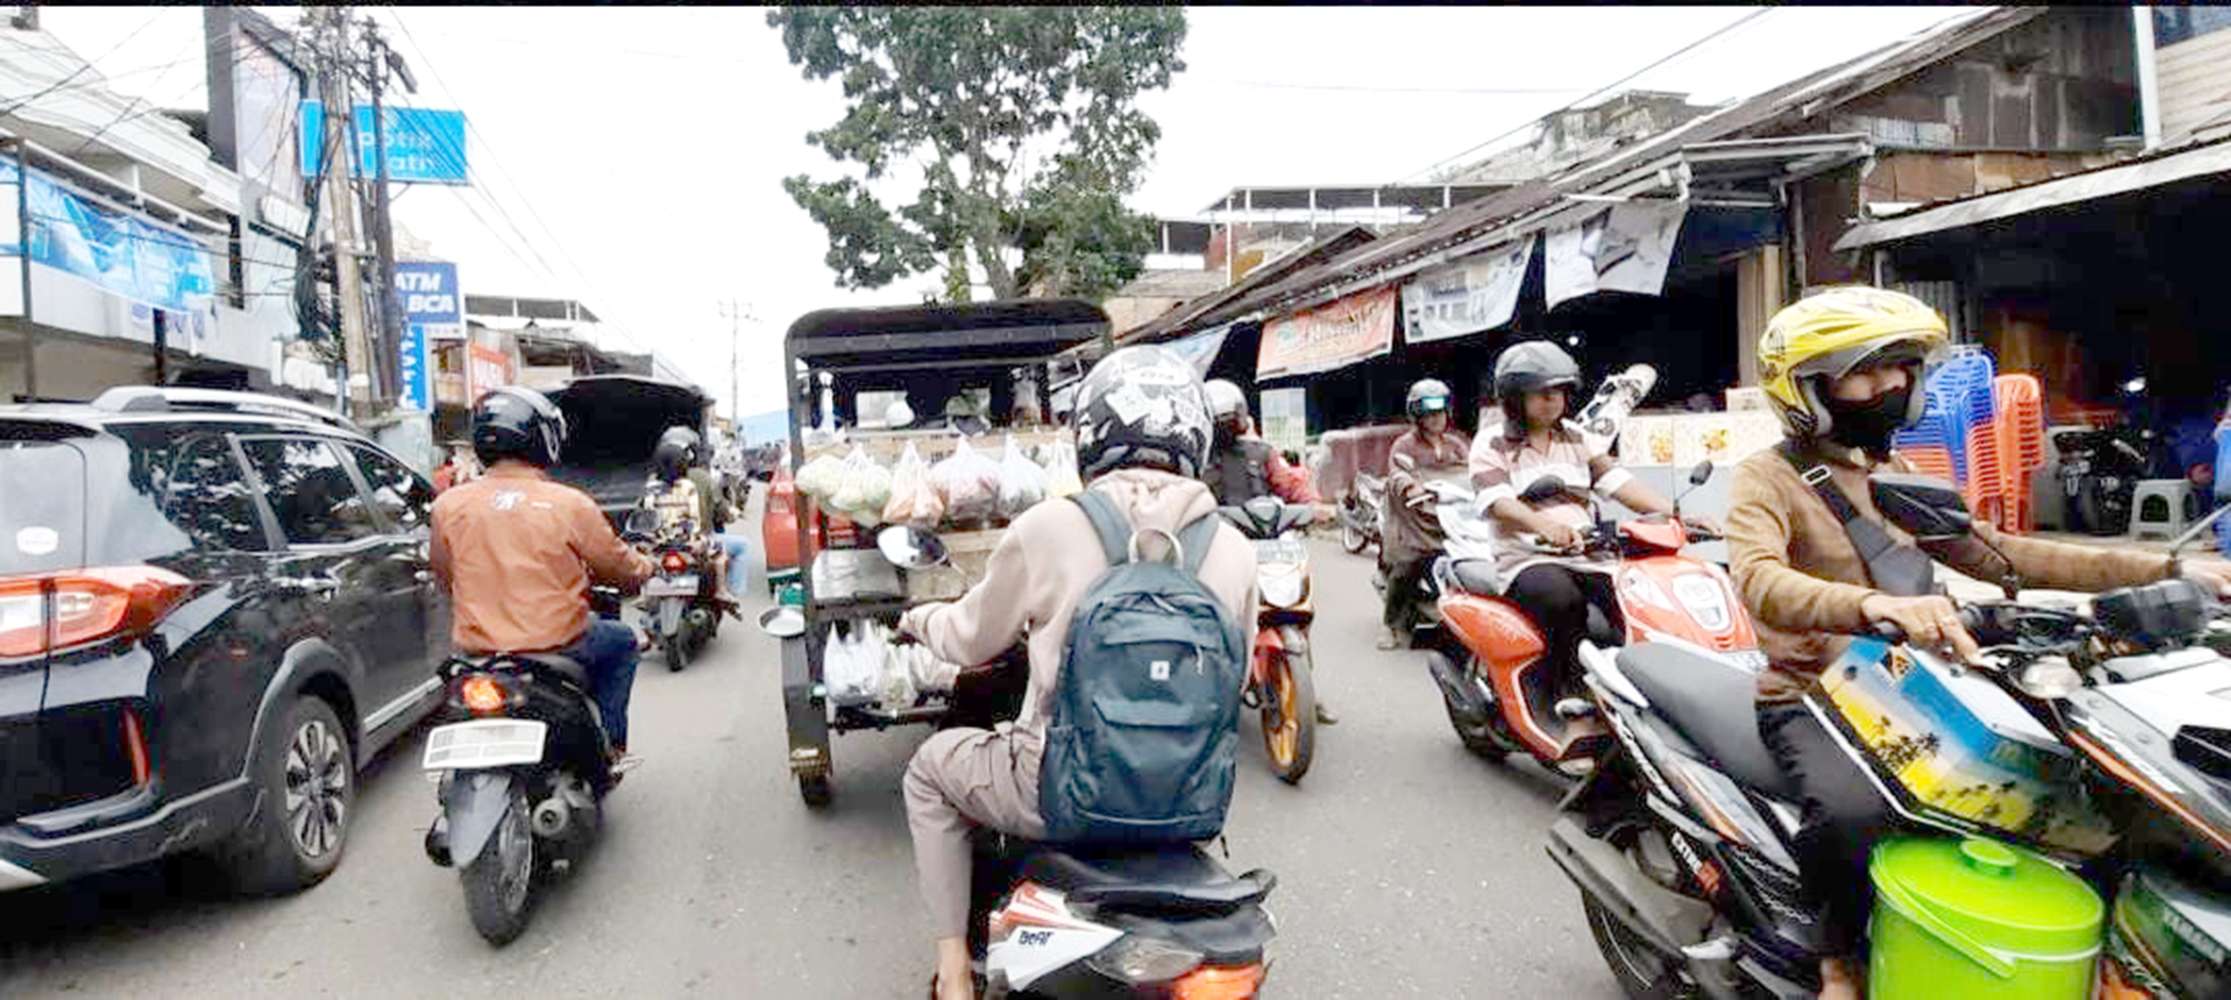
1617	248
1330	336
117	252
1473	295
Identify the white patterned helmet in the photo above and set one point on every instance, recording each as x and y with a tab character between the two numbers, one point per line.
1142	406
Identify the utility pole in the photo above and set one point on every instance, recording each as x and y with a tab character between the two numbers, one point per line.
736	313
331	27
379	61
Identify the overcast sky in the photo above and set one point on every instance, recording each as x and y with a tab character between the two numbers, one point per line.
642	149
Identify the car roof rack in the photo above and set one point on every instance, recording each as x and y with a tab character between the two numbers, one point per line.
172	399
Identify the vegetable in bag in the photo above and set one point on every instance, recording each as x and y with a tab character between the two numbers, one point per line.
969	482
1022	482
913	501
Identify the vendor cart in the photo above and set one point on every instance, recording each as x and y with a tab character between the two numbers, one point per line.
851	364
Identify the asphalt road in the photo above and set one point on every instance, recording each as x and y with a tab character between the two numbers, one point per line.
1406	867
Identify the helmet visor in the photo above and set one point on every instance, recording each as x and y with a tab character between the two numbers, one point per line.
1910	348
1430	404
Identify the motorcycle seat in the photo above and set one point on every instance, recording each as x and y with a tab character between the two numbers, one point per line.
1148	879
1477	577
566	668
1713	704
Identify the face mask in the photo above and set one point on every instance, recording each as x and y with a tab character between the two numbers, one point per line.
1868	425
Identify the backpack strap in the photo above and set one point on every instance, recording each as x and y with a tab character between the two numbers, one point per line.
1196	539
1113	528
1894	568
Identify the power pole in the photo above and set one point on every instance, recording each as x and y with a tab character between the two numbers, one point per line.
736	313
379	61
331	25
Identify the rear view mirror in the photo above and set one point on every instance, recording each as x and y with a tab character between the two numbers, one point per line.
1702	474
910	548
1543	490
641	521
1928	508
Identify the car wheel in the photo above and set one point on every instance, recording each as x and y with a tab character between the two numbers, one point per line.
305	779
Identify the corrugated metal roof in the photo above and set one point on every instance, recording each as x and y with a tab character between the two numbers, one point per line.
1187	316
1394	258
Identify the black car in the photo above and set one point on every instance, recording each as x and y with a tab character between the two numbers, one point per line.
214	607
613	423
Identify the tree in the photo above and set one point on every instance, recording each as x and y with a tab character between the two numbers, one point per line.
1024	122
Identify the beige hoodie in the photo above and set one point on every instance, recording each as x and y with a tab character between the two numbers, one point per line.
1050	556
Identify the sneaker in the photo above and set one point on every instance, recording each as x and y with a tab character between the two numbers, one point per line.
1325	716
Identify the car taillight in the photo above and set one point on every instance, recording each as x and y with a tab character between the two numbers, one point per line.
40	614
675	562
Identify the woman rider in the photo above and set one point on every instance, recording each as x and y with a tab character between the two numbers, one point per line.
1844	370
1412	534
1534	383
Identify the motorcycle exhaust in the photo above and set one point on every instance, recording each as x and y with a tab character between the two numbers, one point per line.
552	817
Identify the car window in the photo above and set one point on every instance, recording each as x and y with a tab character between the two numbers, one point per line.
42	507
310	491
211	501
397	491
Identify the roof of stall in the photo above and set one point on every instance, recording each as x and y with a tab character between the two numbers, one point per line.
977	334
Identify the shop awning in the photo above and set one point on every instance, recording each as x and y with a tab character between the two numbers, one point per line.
2202	161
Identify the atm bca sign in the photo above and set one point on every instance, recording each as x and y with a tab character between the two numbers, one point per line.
429	292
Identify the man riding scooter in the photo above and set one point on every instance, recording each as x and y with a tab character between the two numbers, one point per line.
517	553
1436	450
1143	432
1242	466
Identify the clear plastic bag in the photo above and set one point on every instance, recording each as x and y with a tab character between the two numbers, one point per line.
820	477
913	501
848	672
863	487
1062	480
1022	482
969	482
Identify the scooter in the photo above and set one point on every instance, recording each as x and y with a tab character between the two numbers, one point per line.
1280	681
2094	742
1061	921
1359	513
682	600
521	782
1503	694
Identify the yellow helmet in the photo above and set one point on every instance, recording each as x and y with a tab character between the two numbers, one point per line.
1831	333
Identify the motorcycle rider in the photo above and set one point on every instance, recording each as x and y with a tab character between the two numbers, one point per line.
1534	383
517	552
1844	370
1145	454
1242	466
680	487
1412	532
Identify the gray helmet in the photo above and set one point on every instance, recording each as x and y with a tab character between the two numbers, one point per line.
1427	397
1532	367
1142	406
1225	400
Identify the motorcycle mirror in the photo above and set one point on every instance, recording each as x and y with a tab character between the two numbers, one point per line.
1928	508
641	521
1542	490
910	548
1702	474
785	622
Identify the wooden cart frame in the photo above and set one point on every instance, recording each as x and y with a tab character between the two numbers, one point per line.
875	346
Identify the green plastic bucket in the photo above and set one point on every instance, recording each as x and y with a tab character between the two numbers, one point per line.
1979	920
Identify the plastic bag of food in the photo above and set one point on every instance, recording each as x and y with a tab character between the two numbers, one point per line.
969	482
1022	482
863	487
1062	480
913	501
851	676
819	478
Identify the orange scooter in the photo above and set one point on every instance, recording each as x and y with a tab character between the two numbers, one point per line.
1504	695
1280	683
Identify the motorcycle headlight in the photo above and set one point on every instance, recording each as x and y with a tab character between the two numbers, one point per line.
1707	603
1283	589
1141	961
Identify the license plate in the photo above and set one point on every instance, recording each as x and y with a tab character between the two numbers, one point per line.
484	743
671	586
1280	551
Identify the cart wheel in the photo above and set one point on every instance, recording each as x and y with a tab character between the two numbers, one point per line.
815	790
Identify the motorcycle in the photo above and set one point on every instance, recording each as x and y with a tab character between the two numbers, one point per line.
1502	693
521	782
1280	681
2099	474
2093	741
682	599
1062	920
1359	513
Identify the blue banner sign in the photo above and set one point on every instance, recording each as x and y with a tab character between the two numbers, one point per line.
429	292
424	146
417	372
117	251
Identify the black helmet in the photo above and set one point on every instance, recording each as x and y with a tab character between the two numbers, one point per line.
1427	396
1225	401
1531	367
692	445
672	458
519	423
1142	406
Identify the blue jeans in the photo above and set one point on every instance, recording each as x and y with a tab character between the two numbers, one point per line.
607	652
739	564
